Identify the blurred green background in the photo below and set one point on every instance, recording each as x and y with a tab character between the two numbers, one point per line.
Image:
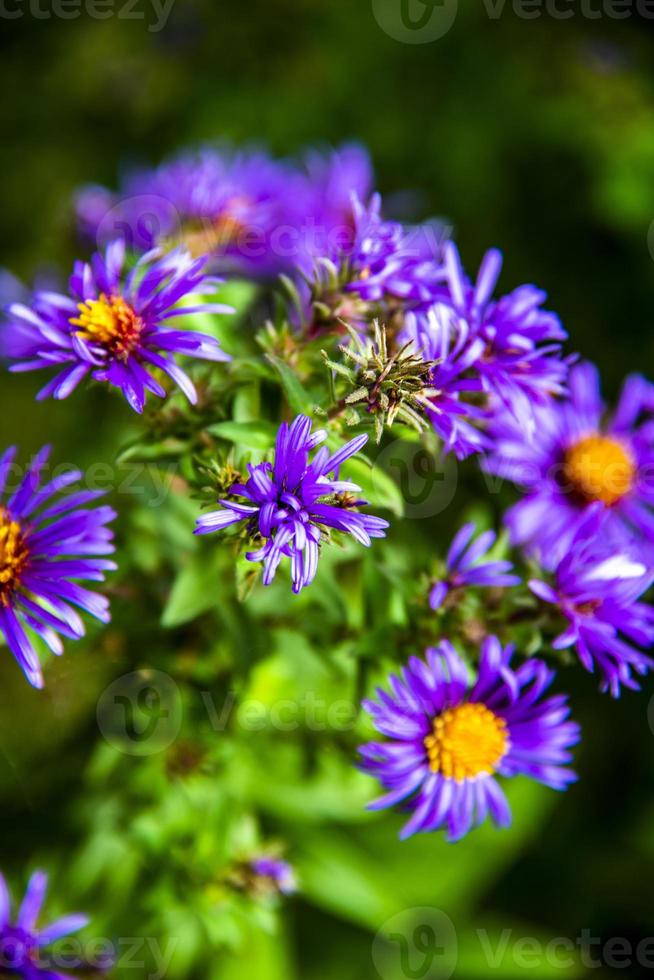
536	136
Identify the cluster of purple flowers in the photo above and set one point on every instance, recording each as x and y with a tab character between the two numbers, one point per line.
489	355
587	517
597	589
494	356
493	381
320	223
254	215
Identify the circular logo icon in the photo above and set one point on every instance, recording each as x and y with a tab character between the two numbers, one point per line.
427	482
417	944
140	221
415	21
141	713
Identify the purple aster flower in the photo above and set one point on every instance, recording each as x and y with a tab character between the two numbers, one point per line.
465	565
444	338
155	207
46	548
92	204
23	950
520	363
279	874
577	460
373	269
12	290
448	739
597	589
243	209
334	178
291	503
389	261
115	328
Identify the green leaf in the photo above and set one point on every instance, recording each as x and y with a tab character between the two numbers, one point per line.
377	486
226	328
148	452
354	872
238	293
194	591
249	435
298	399
264	955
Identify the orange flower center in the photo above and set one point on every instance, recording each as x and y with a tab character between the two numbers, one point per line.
599	468
466	741
227	229
13	555
111	322
223	231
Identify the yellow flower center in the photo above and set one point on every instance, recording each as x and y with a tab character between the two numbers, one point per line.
13	555
599	468
111	322
466	741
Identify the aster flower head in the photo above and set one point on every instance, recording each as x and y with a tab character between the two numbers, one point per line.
23	945
114	327
154	206
387	384
238	207
578	461
387	260
447	739
47	546
597	589
520	362
290	505
334	179
465	566
92	203
374	269
444	339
